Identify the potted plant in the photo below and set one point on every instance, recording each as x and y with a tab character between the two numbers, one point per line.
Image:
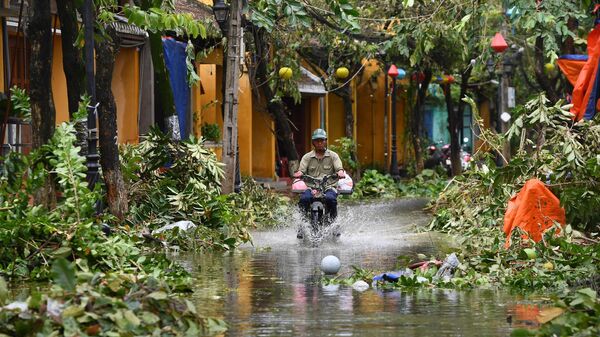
211	133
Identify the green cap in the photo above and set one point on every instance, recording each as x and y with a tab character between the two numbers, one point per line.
319	134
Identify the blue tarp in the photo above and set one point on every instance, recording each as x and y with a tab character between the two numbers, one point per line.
175	60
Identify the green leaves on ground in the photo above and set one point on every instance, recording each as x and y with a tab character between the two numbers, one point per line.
63	274
107	304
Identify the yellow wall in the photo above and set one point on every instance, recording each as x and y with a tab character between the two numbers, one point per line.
59	83
205	108
336	119
370	102
208	107
125	88
125	84
263	143
244	125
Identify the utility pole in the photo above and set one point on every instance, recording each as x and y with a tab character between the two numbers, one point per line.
503	121
230	101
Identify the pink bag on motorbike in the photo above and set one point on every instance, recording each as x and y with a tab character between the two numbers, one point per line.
298	186
345	185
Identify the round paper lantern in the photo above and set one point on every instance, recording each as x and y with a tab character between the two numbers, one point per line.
286	73
342	72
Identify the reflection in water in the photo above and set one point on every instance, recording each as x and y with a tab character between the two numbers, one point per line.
274	289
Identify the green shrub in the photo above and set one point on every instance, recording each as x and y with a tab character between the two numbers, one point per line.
375	185
346	149
211	132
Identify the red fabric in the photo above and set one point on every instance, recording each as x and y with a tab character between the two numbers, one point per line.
571	69
534	209
584	85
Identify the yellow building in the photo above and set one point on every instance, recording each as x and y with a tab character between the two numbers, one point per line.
371	104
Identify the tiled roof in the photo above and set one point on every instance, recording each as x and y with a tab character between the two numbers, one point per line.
199	11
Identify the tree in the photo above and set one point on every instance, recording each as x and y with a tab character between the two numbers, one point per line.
546	29
42	105
73	65
278	26
107	48
72	57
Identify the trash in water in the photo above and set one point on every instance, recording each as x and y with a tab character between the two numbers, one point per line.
360	285
183	225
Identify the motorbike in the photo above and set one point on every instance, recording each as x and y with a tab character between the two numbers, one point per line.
442	157
319	217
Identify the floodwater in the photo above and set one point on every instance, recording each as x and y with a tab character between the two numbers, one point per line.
273	288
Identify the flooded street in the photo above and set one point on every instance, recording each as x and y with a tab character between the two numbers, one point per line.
273	288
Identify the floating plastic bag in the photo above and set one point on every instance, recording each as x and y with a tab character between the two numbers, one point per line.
447	269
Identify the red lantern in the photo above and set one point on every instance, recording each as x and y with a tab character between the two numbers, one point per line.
393	71
498	43
418	77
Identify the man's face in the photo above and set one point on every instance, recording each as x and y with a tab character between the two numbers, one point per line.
320	144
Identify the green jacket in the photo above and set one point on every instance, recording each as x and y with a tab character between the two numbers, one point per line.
318	168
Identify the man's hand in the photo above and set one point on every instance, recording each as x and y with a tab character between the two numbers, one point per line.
298	174
341	174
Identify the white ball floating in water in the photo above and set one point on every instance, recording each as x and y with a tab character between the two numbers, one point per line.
330	264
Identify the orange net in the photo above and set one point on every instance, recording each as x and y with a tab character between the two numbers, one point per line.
534	209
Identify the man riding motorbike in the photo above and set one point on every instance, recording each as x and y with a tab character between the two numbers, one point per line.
319	163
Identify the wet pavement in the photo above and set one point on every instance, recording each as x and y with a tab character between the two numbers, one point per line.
273	288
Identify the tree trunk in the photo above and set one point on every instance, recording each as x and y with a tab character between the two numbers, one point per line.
164	103
276	108
106	51
72	58
547	84
415	120
346	94
73	66
42	106
455	120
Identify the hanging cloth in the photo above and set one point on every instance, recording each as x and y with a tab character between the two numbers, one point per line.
175	57
586	90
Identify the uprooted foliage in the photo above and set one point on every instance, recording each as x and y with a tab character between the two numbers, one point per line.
181	181
553	149
34	237
86	303
31	236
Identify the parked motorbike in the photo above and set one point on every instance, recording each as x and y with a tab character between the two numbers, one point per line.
319	217
441	157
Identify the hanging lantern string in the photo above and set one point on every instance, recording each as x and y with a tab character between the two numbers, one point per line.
362	65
